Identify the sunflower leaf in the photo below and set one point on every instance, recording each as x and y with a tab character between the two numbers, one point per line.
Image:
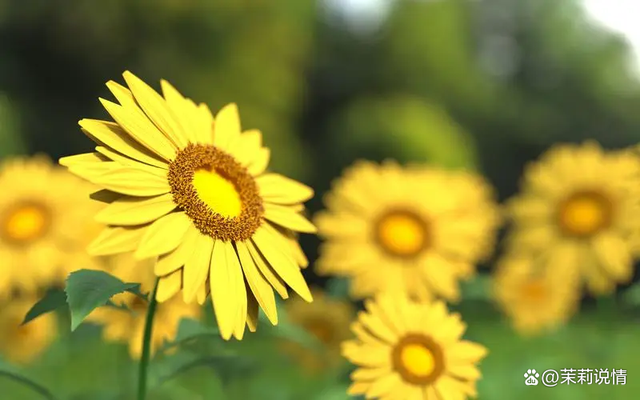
51	301
338	288
88	289
285	330
631	296
477	288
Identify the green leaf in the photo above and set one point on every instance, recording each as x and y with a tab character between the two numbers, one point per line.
51	301
290	332
8	371
88	289
190	330
631	296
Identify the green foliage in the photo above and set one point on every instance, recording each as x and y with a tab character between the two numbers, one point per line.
52	300
407	128
88	289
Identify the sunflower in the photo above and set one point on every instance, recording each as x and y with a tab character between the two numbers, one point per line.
579	204
22	344
408	350
127	325
531	297
326	319
195	194
416	229
40	208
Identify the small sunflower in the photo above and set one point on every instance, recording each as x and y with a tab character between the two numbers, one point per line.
40	208
327	320
22	344
416	229
407	350
580	205
128	325
193	191
533	299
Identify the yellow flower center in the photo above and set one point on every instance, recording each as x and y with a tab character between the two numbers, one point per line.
219	195
217	192
402	233
418	359
584	214
25	223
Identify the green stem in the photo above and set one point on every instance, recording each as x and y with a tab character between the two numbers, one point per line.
146	344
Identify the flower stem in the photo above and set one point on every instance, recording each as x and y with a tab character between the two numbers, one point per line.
146	344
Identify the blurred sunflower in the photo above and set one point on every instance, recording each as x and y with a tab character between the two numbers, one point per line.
327	320
195	193
22	344
531	297
417	229
407	350
40	208
122	325
579	204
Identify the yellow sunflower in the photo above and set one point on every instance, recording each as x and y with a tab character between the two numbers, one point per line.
416	229
580	205
327	320
22	344
195	193
412	351
40	208
531	297
128	325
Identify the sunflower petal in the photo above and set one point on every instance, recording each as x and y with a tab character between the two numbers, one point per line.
258	284
114	240
267	272
196	268
141	129
227	126
222	296
287	219
175	260
240	289
156	109
203	123
260	163
203	292
168	286
279	189
284	266
246	148
140	182
86	158
252	312
112	155
181	109
163	236
129	211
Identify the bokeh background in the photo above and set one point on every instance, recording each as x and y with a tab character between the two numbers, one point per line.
486	85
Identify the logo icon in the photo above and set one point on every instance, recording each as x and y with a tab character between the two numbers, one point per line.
531	377
550	378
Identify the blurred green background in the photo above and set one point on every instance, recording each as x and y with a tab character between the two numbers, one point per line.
485	85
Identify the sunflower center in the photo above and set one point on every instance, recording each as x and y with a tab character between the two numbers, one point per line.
25	223
585	213
401	233
216	192
320	330
418	359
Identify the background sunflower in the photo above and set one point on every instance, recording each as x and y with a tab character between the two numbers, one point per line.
492	89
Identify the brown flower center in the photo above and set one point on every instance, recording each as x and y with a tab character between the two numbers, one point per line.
418	359
216	192
584	214
401	233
